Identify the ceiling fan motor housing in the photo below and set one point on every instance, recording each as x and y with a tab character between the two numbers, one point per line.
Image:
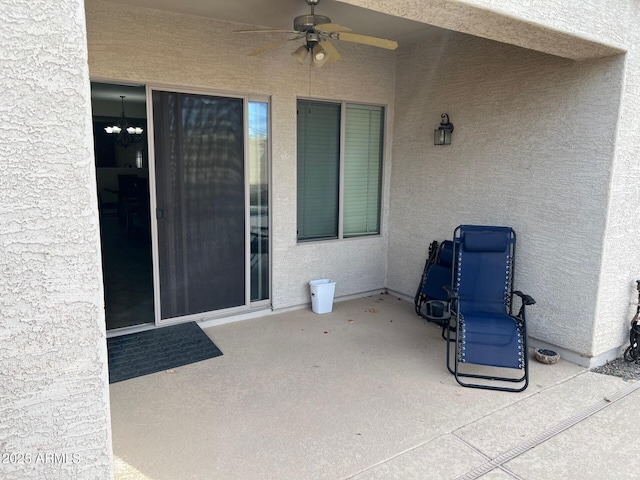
304	23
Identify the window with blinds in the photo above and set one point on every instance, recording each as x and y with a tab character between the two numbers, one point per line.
362	170
325	211
318	169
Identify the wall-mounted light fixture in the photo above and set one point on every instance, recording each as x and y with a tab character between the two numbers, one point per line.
442	136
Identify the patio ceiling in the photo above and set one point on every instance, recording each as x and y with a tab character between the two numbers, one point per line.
456	16
280	14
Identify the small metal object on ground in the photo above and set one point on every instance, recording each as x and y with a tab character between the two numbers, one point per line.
546	356
632	353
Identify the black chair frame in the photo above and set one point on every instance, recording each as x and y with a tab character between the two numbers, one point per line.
454	334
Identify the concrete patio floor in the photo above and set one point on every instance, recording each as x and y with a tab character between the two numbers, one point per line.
364	393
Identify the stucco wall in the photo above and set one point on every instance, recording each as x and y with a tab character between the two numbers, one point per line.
532	148
54	407
192	51
579	100
573	29
570	29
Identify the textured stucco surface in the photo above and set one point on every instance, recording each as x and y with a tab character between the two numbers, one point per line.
191	51
555	27
570	152
570	160
532	149
616	26
54	407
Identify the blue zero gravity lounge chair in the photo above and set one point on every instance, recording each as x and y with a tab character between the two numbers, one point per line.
431	299
481	300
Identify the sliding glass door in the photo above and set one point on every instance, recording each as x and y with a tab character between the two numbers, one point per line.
201	204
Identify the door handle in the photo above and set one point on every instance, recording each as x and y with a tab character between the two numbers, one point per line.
159	213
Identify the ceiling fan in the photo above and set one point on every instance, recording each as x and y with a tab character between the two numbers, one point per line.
317	30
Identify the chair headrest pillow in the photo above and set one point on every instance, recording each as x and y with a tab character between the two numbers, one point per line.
445	257
485	241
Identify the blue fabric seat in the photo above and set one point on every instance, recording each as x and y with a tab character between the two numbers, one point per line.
491	339
484	329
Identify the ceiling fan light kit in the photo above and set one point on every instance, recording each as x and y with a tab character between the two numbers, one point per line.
320	56
301	53
317	30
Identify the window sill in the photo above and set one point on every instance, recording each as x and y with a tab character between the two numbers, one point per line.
338	240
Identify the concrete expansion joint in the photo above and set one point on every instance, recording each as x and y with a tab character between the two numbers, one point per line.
533	442
489	414
386	460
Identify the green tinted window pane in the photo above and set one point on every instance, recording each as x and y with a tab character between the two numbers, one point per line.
318	139
363	169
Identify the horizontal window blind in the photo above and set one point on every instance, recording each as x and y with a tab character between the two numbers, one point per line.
362	170
318	173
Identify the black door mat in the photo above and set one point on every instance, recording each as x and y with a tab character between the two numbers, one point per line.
156	350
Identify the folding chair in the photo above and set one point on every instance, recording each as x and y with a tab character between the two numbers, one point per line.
431	299
481	298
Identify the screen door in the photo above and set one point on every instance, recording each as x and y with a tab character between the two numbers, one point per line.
200	199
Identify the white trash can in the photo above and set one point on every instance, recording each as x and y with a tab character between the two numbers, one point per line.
322	292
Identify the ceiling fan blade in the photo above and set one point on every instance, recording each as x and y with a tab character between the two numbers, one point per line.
262	50
266	30
366	40
333	54
331	27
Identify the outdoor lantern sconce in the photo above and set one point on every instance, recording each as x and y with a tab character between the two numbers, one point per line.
442	136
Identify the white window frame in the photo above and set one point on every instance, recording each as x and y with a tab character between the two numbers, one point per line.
343	129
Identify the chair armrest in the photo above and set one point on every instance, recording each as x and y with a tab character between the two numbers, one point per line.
526	299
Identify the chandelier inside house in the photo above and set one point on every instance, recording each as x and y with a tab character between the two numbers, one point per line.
125	135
